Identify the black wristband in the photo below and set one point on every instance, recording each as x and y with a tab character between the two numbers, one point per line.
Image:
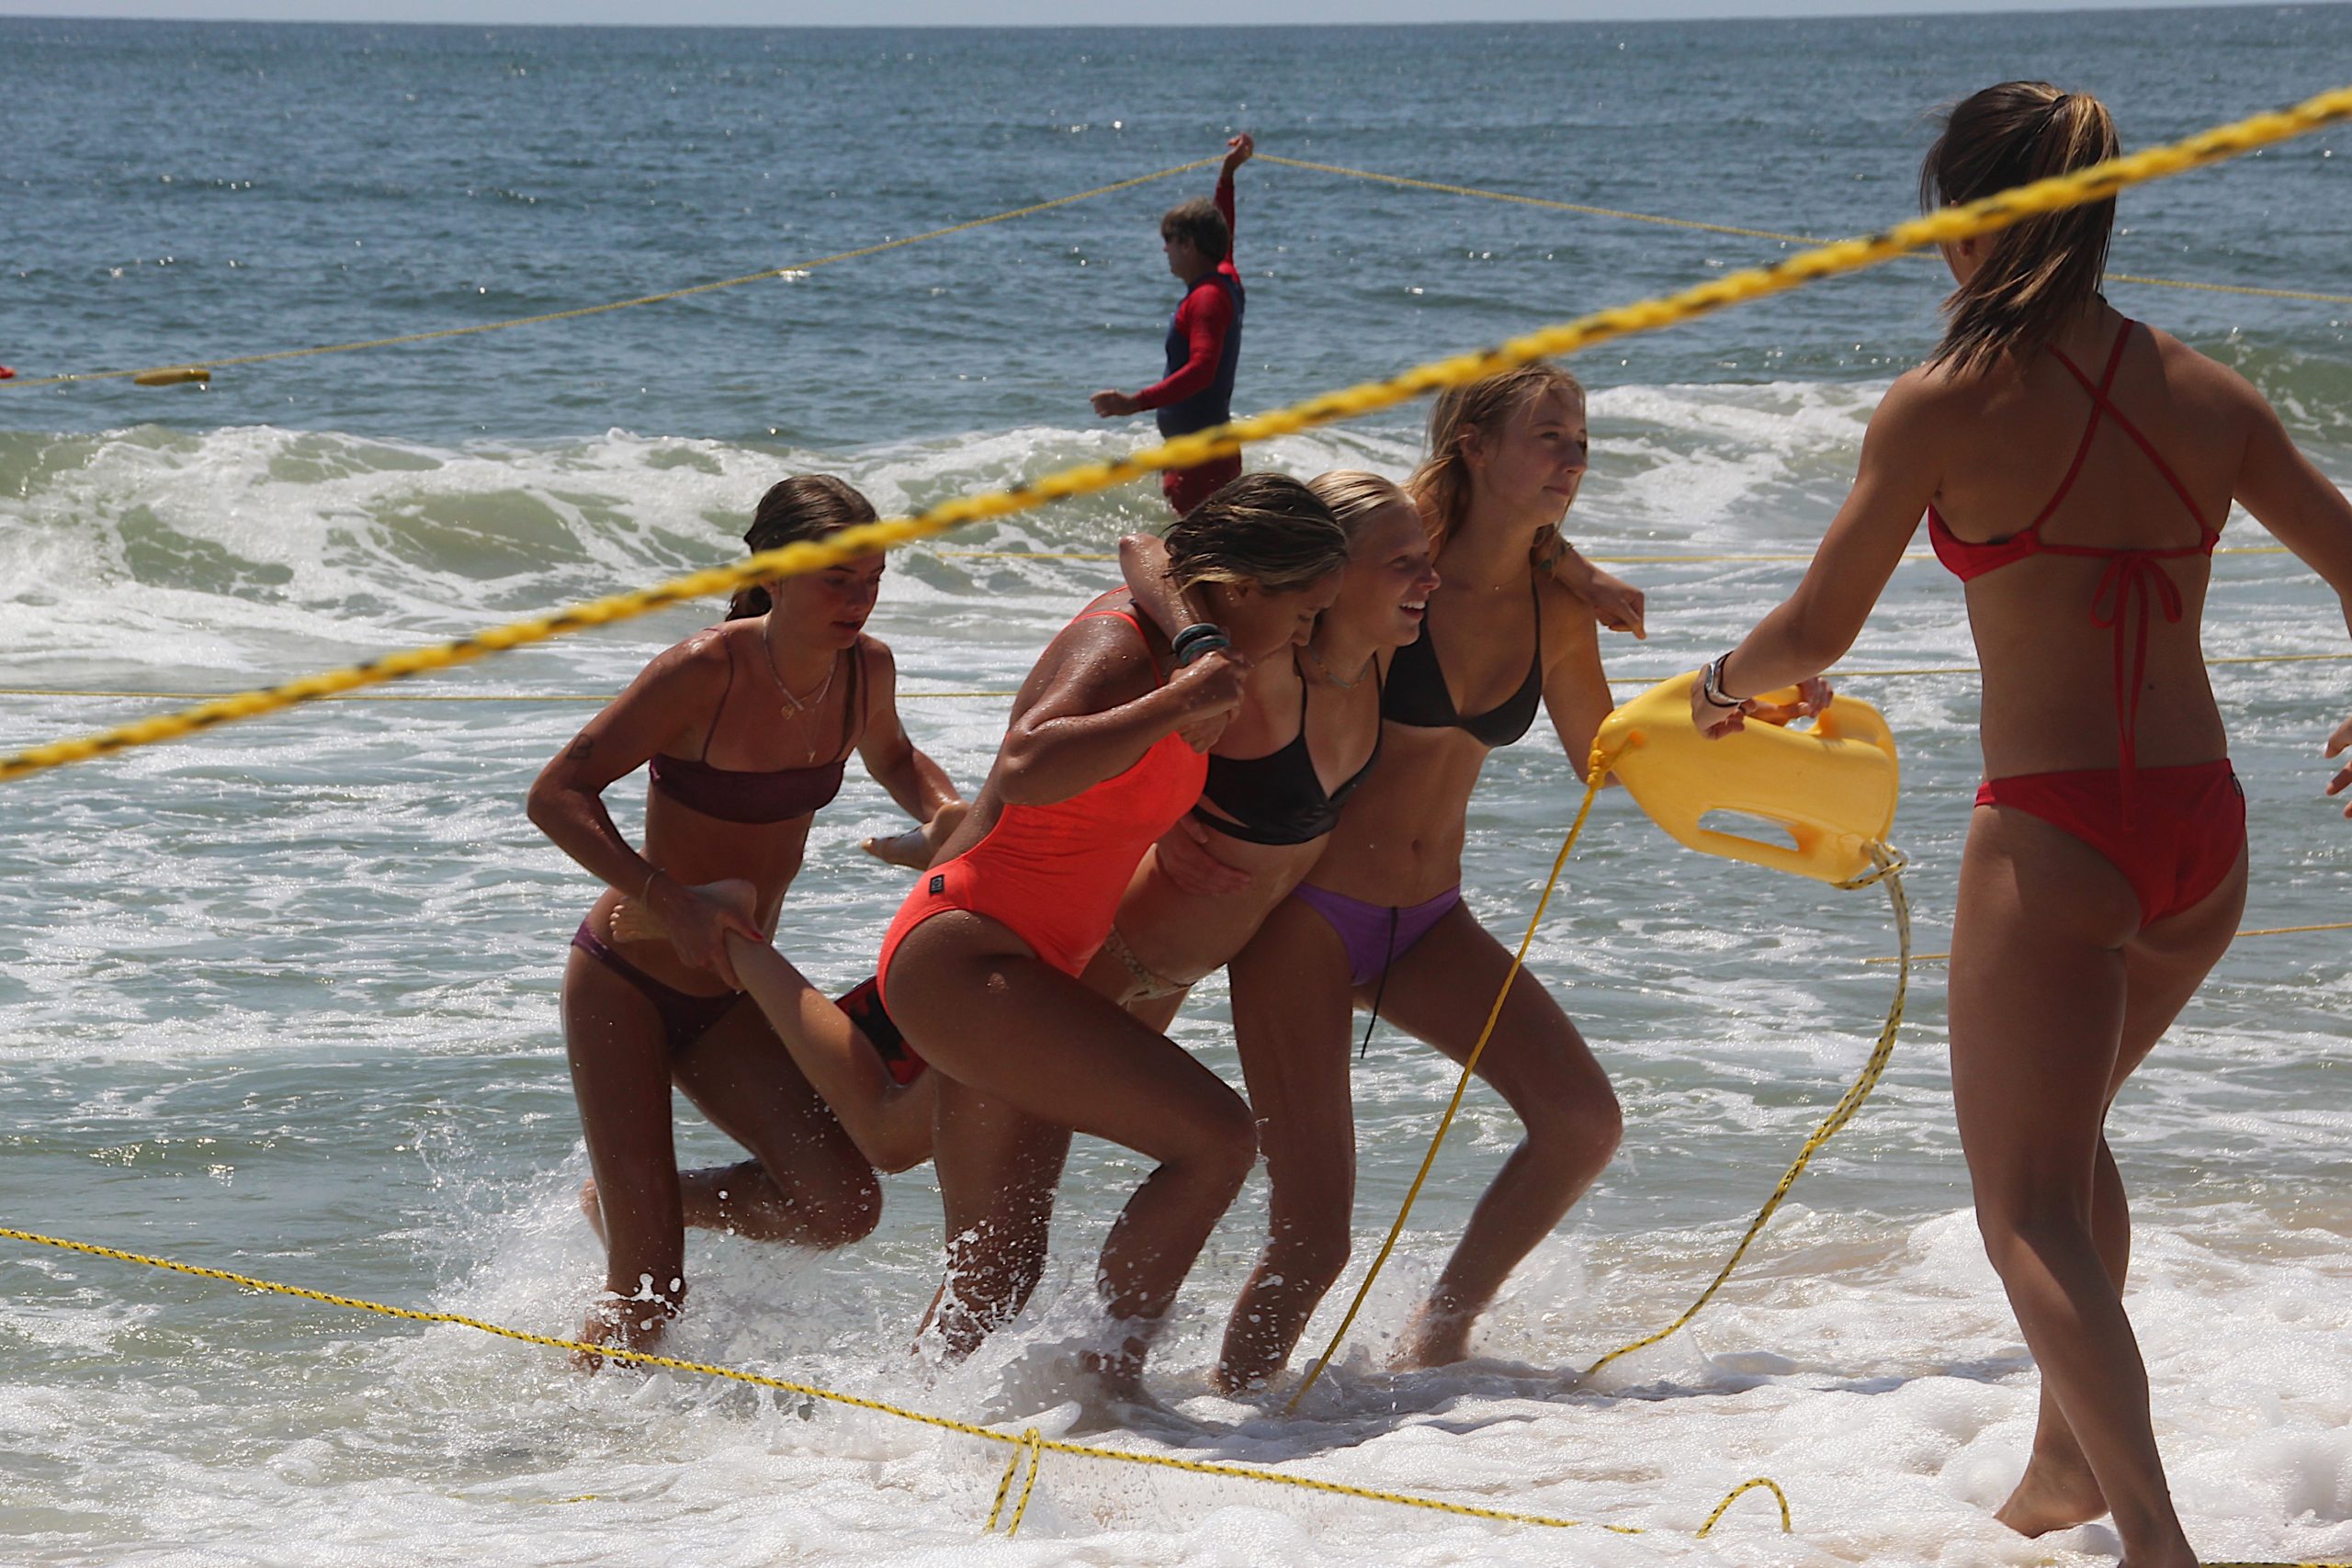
1711	684
1200	637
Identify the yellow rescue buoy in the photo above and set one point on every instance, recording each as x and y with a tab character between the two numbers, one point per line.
1829	789
172	376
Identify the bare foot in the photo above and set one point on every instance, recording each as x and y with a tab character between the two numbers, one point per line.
917	847
633	921
1434	1338
2052	1496
627	1325
593	1210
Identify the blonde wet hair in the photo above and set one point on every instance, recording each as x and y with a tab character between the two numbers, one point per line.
1353	494
1441	486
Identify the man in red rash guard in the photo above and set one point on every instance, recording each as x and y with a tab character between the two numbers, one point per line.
1204	337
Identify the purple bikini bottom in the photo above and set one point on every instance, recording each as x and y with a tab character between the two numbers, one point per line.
1376	935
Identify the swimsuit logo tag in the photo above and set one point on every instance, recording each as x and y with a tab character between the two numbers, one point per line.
938	884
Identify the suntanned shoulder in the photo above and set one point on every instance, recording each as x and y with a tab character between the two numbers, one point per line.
697	664
2208	387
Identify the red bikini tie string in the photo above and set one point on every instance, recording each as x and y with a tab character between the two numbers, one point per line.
2126	581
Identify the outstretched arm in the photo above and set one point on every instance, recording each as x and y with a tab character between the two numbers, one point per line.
889	1123
2288	495
1615	603
1813	627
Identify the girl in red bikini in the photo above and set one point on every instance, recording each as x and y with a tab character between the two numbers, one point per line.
2075	469
746	728
981	967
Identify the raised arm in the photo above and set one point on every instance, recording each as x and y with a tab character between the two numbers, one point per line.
2288	495
1813	627
1238	152
566	802
1143	562
1073	724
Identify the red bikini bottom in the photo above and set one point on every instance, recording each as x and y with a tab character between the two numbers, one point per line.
2186	831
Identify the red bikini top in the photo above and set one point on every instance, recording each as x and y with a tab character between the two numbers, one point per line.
2134	581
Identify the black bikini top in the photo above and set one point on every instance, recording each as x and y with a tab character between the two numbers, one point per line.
1416	694
1278	798
757	795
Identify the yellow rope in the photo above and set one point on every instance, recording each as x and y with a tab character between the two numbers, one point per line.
1028	1441
1028	1448
1946	226
1684	559
425	696
1642	681
1597	773
1744	233
1742	1490
1847	1105
2266	931
165	374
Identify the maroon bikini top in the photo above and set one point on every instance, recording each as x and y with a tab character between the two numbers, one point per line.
776	794
2134	580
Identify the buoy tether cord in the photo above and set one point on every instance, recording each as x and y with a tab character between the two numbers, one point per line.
1029	1441
1946	226
1621	213
1890	871
1596	771
200	369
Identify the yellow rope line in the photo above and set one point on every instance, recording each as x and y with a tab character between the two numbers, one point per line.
1946	226
2266	931
1643	680
1742	1490
187	369
1597	560
1744	233
425	696
1847	1105
1028	1441
1598	772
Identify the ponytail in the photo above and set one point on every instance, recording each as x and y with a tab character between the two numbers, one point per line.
2043	271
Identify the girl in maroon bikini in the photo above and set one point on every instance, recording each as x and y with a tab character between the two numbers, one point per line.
746	728
2075	469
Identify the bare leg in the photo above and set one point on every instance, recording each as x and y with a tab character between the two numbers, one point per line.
2051	995
1537	1061
807	1183
1291	1014
997	1022
620	1075
998	1170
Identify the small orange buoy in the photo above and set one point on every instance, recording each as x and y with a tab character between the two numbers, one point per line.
6	374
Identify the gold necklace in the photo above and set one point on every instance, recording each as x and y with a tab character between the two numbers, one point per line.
801	707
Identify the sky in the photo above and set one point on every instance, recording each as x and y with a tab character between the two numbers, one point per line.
917	13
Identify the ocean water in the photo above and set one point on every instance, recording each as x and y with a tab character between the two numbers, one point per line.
282	998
